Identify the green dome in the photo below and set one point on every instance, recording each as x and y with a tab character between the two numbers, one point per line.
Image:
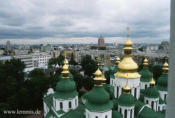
147	113
65	85
151	92
126	100
146	75
116	114
98	96
98	99
163	82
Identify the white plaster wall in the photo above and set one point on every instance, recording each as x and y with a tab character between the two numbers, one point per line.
142	85
65	102
92	114
162	94
121	82
123	108
155	100
45	109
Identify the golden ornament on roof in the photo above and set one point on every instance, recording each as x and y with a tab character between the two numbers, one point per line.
127	68
152	82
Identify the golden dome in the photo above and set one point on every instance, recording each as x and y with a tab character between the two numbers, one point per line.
126	88
98	78
127	68
165	67
152	82
145	62
117	60
128	44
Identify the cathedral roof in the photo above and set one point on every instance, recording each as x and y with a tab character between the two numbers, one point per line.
127	68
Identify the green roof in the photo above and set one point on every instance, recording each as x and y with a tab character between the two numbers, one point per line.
151	92
147	113
146	75
48	100
65	89
138	106
126	100
162	82
65	95
77	113
110	89
116	114
98	99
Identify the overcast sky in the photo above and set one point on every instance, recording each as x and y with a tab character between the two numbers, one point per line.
83	21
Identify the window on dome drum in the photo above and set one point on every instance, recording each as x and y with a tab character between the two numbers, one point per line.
117	91
61	105
125	115
145	86
70	105
165	97
135	92
120	110
158	108
96	116
106	116
146	101
152	104
131	114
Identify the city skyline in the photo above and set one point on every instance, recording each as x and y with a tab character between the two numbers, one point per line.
63	22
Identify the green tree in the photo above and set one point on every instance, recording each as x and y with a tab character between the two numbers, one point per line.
89	66
72	61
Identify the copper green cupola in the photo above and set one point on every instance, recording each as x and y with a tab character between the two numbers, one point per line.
98	98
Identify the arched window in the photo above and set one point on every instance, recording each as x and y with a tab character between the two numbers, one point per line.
125	115
117	91
146	101
135	92
120	110
61	105
131	114
106	116
96	116
152	104
158	108
70	105
145	86
165	97
75	102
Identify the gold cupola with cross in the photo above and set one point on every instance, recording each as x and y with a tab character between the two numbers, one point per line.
127	68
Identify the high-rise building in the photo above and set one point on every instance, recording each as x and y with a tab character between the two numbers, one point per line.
101	42
8	45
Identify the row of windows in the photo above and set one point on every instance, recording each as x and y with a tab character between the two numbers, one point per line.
125	113
69	104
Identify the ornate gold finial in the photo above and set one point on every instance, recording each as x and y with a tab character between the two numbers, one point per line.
126	88
152	82
128	43
145	62
65	54
65	67
98	78
165	67
117	60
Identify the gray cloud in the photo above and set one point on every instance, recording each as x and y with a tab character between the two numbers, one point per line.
38	19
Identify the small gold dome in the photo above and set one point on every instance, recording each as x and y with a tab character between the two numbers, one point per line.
145	62
165	67
98	78
66	61
126	88
152	82
128	44
117	60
